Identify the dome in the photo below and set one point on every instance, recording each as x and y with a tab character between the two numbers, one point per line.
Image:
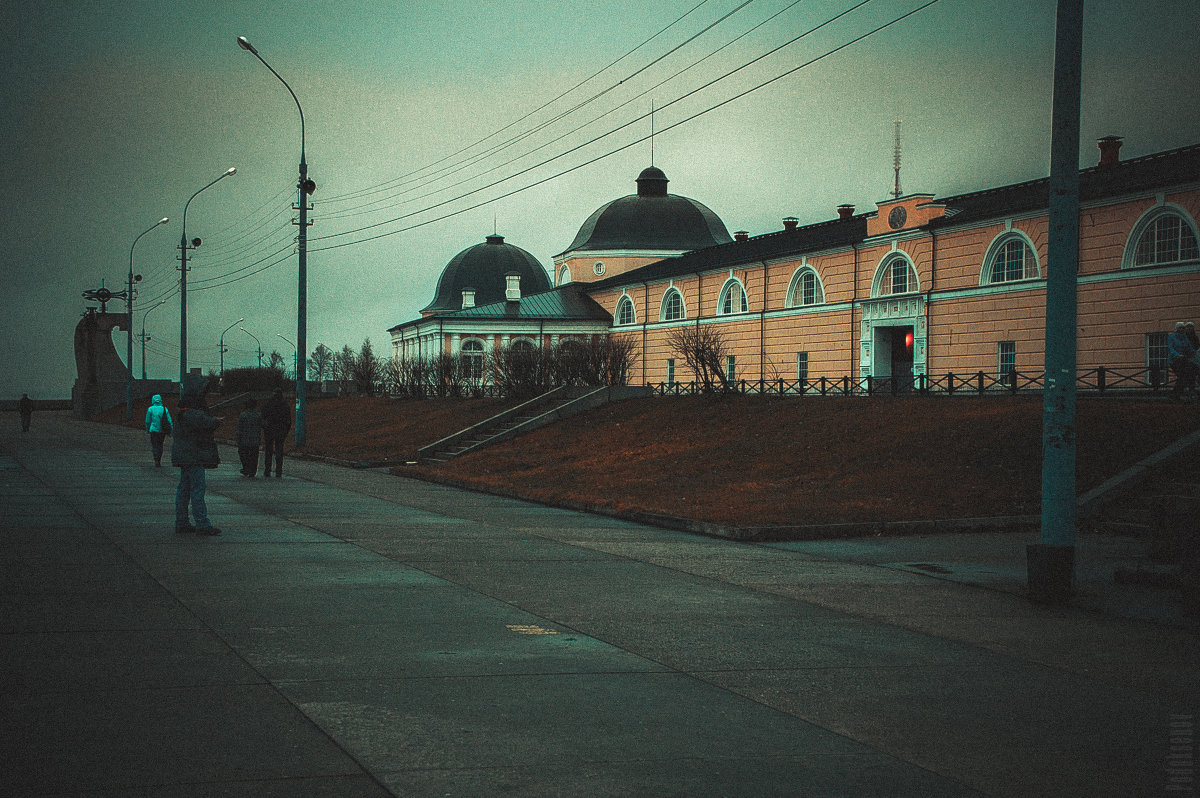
483	268
651	220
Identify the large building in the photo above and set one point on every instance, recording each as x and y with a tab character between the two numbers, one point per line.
920	285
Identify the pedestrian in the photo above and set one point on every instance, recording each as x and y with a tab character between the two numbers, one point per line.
158	424
249	434
1189	329
276	421
26	408
193	451
1181	355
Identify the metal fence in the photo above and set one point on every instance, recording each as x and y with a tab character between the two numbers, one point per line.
1099	380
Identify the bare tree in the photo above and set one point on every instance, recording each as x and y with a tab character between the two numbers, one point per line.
320	364
366	369
342	369
704	350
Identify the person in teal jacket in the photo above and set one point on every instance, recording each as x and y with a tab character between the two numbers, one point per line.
158	424
193	451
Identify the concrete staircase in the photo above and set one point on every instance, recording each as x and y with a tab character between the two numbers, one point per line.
1157	508
560	403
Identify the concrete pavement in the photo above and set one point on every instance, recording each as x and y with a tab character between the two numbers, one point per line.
358	634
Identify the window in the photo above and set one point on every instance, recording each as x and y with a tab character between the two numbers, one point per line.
670	371
1165	237
522	344
805	289
1156	354
564	276
625	314
733	299
472	360
1007	357
730	368
598	268
896	276
802	366
672	306
1010	259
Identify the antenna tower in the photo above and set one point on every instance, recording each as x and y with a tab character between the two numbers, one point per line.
896	163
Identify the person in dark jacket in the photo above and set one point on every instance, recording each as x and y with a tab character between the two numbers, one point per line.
193	451
276	421
249	435
26	408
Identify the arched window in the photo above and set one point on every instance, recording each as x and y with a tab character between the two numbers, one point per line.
564	276
733	299
625	313
522	345
895	276
472	360
1010	258
672	306
1161	237
805	288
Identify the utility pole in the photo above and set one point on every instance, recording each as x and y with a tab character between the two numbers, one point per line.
1051	562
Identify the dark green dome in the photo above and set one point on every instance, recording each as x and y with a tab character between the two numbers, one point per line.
483	268
651	220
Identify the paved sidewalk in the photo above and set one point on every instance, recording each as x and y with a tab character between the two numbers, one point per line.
358	634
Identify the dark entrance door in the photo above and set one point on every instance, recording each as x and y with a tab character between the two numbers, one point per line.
902	358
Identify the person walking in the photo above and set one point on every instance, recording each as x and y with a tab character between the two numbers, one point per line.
1181	356
249	434
276	421
158	424
26	408
193	451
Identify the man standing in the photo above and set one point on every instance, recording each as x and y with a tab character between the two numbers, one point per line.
249	433
26	408
276	421
193	451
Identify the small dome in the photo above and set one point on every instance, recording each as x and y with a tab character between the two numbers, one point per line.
651	220
482	269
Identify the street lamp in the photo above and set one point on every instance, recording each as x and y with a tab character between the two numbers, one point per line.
145	337
129	326
305	187
255	337
295	362
222	346
183	270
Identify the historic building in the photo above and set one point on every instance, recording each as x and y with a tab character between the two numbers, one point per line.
920	285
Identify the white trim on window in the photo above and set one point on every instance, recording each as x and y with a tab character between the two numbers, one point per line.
803	291
733	299
1002	252
886	281
671	313
1164	236
619	317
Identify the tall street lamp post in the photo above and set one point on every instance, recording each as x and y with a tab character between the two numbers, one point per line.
129	325
183	270
255	337
294	352
222	346
305	187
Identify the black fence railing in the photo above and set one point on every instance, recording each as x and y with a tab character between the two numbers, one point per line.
1099	380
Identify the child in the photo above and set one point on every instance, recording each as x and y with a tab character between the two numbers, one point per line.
249	432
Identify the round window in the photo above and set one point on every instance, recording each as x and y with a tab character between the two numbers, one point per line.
598	268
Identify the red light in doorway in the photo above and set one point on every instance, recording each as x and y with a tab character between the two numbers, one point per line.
908	341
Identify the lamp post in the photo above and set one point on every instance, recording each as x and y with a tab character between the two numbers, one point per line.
183	270
129	325
305	187
222	346
144	338
255	337
294	352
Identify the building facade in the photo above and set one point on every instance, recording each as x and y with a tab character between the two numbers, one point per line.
920	285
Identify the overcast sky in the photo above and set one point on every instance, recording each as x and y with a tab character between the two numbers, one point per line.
114	113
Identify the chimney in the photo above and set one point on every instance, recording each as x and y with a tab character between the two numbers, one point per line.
790	222
1110	150
468	296
741	235
845	211
513	292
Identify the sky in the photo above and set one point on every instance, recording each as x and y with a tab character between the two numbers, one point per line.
429	124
